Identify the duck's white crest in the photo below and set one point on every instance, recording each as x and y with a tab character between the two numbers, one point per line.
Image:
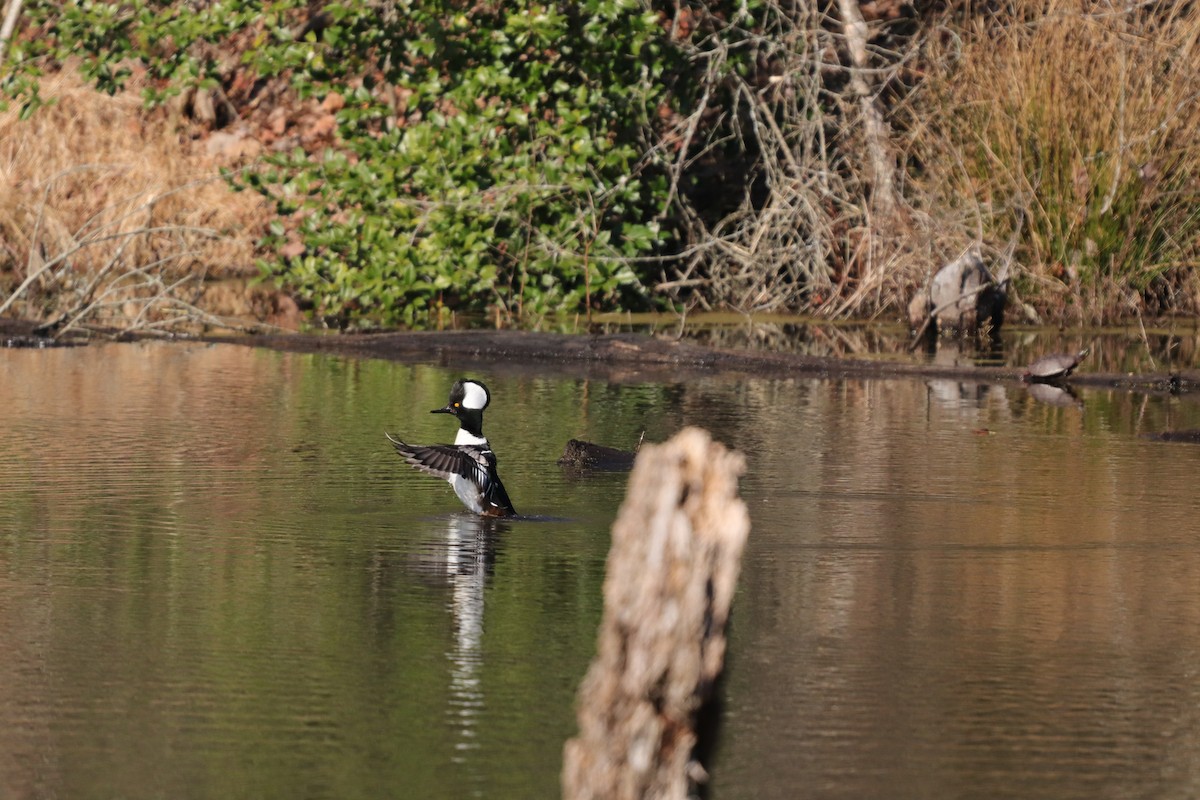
474	395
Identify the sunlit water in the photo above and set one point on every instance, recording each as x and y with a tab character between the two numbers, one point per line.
217	580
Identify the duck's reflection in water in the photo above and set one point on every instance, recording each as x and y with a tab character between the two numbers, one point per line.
467	556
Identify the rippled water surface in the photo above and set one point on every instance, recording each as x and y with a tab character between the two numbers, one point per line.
217	580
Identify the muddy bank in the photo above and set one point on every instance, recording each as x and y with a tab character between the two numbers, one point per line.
633	356
637	357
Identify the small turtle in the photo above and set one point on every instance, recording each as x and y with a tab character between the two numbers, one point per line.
1054	367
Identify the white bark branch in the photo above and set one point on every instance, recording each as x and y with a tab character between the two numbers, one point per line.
875	129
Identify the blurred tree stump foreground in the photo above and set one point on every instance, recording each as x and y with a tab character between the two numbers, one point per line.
672	570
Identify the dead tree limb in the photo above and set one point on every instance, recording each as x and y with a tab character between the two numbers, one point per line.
676	552
876	132
12	12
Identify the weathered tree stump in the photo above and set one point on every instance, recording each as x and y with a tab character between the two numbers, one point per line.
672	570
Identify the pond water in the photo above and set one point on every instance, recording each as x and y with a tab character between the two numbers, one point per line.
218	580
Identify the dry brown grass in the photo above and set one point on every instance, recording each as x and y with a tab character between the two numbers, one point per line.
108	215
1088	122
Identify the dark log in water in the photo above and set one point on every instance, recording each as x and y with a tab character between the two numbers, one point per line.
1187	436
579	454
676	552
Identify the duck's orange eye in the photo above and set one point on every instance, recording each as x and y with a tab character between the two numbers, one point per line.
456	405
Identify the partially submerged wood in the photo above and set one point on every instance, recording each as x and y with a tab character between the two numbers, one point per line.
579	454
637	357
1184	436
676	552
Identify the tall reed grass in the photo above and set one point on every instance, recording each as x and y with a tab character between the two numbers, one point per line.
1086	123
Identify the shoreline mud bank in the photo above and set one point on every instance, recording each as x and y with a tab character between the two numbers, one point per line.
632	356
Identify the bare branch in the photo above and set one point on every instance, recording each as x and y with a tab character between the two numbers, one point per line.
12	12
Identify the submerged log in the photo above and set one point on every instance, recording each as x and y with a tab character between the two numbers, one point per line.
676	552
1185	436
579	454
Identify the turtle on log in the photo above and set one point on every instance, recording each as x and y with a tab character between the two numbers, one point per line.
1054	367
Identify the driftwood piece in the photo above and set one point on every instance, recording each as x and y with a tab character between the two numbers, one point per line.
676	552
956	289
636	357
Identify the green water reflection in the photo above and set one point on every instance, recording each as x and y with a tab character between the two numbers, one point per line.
217	580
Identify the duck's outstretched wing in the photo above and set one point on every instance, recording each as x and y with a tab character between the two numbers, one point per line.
444	460
451	462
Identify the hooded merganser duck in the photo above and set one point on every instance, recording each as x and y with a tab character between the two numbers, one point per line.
469	464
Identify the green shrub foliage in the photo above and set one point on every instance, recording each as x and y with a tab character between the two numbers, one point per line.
490	156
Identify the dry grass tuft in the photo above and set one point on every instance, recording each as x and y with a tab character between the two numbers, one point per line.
108	217
1087	122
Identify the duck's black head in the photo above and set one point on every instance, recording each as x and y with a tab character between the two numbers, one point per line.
468	399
